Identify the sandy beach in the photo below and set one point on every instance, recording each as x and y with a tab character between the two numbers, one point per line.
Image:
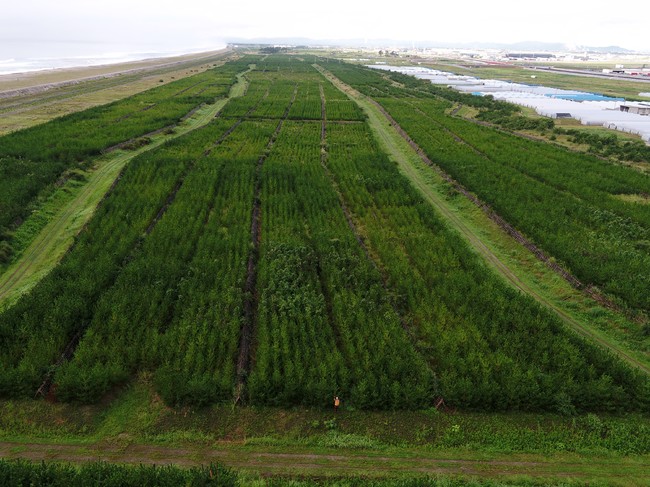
48	78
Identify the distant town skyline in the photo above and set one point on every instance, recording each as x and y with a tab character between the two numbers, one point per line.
194	24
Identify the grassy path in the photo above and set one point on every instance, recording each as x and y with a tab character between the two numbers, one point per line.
494	246
320	461
53	240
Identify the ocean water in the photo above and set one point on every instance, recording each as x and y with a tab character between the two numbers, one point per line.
22	57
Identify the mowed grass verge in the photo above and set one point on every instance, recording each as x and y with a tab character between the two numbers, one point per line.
134	427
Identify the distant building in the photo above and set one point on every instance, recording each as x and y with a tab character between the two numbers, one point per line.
529	56
638	108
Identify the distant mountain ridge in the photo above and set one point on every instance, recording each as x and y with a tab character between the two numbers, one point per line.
372	43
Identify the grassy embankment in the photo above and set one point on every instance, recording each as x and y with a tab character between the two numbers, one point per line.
47	234
135	427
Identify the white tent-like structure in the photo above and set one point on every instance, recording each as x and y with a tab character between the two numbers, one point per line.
588	108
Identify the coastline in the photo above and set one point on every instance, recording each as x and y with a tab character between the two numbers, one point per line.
28	99
29	82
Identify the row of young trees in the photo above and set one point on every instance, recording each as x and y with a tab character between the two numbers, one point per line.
489	346
275	104
325	324
39	326
32	160
256	92
165	309
152	304
307	105
308	102
81	295
361	291
567	203
508	116
198	351
339	107
58	474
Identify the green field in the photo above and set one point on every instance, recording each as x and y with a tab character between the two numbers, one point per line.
507	257
45	236
566	203
277	236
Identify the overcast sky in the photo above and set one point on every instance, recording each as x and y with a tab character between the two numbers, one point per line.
161	25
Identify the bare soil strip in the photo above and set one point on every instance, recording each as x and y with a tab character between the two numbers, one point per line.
250	287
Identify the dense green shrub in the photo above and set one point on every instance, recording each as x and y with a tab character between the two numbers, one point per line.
609	145
53	474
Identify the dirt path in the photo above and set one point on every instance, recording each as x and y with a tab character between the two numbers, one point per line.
408	160
332	462
249	315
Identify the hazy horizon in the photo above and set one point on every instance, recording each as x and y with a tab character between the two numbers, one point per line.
75	28
38	56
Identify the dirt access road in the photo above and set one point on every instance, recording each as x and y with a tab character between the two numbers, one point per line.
269	460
